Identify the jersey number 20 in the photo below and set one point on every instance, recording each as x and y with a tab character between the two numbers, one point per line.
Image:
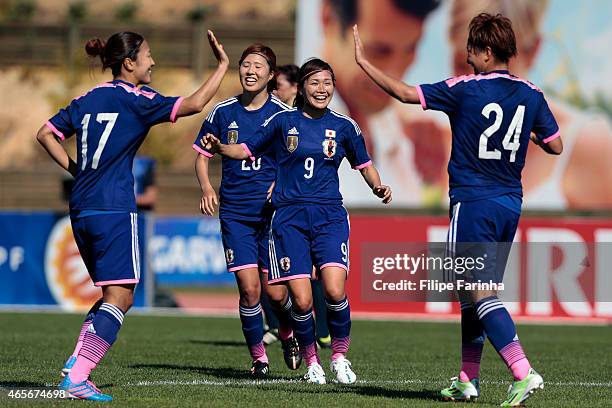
110	119
511	140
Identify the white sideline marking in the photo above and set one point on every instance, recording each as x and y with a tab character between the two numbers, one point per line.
382	382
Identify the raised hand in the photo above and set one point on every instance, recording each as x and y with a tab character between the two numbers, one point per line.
383	192
218	50
359	53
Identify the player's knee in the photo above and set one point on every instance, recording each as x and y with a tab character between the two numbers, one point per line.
335	294
250	294
302	303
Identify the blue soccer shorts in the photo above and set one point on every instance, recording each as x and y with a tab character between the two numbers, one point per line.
303	236
483	231
108	244
245	243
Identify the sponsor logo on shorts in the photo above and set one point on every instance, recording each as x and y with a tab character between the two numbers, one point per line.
285	263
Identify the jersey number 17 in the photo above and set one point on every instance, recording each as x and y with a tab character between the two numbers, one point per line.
110	119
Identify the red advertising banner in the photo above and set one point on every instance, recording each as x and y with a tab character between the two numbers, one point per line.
559	269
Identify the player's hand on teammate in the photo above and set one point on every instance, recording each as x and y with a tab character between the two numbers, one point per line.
359	54
383	192
209	201
218	50
211	143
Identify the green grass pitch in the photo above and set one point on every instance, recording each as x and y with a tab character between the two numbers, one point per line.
195	361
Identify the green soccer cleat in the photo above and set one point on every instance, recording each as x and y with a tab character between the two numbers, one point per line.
462	391
519	391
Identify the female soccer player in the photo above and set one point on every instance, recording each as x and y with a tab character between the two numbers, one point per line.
286	90
110	122
310	225
492	114
286	83
244	212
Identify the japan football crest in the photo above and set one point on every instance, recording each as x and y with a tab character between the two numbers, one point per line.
285	263
329	147
229	256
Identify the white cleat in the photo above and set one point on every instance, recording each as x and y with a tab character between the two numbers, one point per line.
315	374
341	367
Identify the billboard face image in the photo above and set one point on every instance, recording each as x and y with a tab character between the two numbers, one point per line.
558	46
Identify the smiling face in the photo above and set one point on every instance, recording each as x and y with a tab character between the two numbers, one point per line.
255	73
143	66
318	90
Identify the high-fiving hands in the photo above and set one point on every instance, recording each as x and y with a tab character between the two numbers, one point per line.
217	49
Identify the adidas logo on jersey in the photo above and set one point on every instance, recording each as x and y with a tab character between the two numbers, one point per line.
233	125
293	131
91	329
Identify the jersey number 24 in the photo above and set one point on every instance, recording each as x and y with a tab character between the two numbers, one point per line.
511	141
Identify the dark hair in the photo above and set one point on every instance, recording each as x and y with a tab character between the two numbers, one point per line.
269	56
347	10
117	48
495	32
310	67
291	71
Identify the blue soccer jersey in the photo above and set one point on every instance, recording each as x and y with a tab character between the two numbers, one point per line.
492	116
244	184
309	152
110	122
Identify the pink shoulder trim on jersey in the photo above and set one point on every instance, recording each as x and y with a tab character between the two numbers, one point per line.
202	151
552	137
241	267
364	165
102	85
248	151
55	131
264	271
137	91
493	75
175	109
421	97
116	282
292	277
335	264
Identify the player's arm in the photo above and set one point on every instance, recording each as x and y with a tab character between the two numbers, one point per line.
233	151
371	176
553	147
209	200
396	88
195	102
545	132
47	139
